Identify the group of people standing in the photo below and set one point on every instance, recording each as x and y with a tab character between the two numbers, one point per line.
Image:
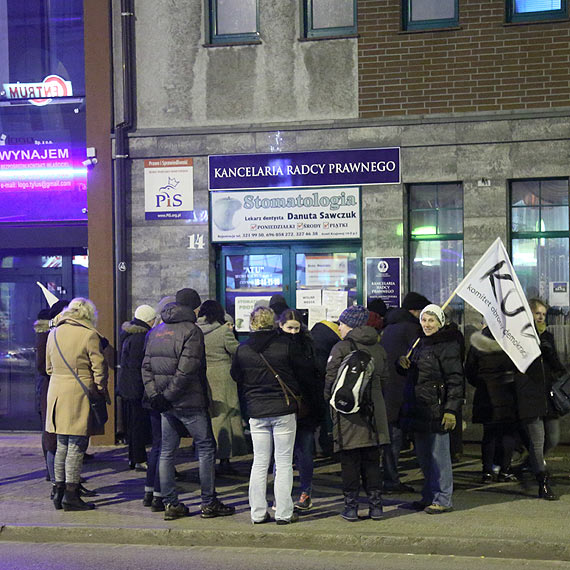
182	367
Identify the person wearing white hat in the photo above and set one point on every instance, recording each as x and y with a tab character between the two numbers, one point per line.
433	397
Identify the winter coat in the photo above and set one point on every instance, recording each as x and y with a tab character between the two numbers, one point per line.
353	431
129	380
325	335
399	334
260	389
435	382
174	363
221	344
41	328
553	368
492	373
67	404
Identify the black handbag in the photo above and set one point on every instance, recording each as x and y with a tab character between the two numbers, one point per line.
560	394
98	415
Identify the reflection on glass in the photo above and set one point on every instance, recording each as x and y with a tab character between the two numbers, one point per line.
525	220
333	13
524	6
432	10
237	16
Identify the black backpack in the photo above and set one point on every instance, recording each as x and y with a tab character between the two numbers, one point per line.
351	388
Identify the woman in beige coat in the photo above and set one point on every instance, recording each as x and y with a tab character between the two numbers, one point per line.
67	404
221	345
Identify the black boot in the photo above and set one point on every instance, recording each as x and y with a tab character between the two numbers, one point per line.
375	505
72	501
58	492
544	489
350	512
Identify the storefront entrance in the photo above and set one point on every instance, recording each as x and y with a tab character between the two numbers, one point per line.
319	280
65	275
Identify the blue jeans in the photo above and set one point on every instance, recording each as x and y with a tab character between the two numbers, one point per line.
152	482
304	446
268	433
199	427
390	456
432	451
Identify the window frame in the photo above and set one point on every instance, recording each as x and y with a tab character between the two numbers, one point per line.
224	39
409	26
536	16
311	33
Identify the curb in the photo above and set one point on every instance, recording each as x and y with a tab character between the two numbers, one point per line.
479	547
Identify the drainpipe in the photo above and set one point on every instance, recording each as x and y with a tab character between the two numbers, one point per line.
122	180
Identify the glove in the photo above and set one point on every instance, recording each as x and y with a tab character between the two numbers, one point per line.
448	422
159	403
404	362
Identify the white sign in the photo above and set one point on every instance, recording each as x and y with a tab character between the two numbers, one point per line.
244	306
39	94
267	215
326	270
335	302
493	288
308	298
558	294
317	313
168	188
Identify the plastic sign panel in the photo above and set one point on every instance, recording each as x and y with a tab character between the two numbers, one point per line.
169	188
268	215
39	94
383	277
354	167
42	182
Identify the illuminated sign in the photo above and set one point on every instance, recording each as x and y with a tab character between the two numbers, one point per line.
39	93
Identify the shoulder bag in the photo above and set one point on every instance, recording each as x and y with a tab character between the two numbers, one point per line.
560	394
303	409
98	406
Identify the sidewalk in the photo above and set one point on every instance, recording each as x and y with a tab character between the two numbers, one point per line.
500	520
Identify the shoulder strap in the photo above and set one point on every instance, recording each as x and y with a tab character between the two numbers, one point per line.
67	364
286	390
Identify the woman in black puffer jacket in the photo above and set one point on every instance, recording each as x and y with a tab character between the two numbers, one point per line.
433	397
271	409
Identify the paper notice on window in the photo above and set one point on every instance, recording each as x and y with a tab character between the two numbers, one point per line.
244	306
317	313
335	302
308	297
558	294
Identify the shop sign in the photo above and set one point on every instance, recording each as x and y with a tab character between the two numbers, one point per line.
39	93
266	215
383	276
169	188
355	167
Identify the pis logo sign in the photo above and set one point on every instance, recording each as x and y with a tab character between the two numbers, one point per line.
39	94
166	196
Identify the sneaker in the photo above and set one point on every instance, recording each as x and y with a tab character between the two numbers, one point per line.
264	520
178	511
486	478
216	509
157	505
304	503
147	499
505	477
437	509
294	518
141	466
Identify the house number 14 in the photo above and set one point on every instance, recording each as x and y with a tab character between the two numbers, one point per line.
195	241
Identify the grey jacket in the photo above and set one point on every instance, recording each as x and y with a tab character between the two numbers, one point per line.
352	431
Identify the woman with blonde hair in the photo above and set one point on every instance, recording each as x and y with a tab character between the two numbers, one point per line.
74	357
267	368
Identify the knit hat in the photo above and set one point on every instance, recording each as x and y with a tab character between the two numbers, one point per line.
414	301
56	308
378	306
434	310
354	316
188	297
145	313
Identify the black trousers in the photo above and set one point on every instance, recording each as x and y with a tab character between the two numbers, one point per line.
137	425
362	464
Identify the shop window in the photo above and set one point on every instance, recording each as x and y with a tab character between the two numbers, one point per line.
329	18
536	10
429	14
234	21
436	242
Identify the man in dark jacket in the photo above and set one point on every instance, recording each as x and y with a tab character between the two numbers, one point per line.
401	330
174	375
130	386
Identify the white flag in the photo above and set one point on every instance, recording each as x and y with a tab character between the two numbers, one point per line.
493	288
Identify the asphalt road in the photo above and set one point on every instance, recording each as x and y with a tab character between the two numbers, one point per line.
54	556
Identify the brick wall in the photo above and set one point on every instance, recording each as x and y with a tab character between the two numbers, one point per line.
484	65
